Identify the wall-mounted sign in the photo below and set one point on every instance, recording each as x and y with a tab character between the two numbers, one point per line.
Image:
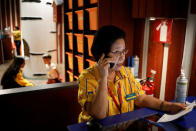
163	30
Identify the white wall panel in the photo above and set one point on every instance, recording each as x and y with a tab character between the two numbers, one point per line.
37	32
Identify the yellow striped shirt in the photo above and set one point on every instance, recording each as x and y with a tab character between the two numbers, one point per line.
88	82
17	35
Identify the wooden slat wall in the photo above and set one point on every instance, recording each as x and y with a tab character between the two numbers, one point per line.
157	8
1	46
3	13
167	9
149	8
13	14
58	12
1	53
193	6
160	8
118	13
142	7
18	12
175	57
6	14
61	33
105	13
121	17
138	41
7	42
155	60
192	85
135	7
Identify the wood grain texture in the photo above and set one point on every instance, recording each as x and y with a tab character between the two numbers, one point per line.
121	17
13	13
104	13
3	13
150	8
192	84
161	8
1	53
8	13
7	49
157	8
155	60
18	12
175	56
142	8
138	41
193	6
135	8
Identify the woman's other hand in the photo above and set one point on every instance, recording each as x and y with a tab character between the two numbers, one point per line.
176	107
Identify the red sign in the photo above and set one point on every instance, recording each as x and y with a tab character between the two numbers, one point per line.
163	30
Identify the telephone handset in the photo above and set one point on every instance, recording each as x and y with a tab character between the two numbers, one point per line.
111	63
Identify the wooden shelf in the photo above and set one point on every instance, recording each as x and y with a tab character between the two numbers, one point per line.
73	46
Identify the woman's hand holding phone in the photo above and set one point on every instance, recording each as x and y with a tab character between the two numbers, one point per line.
103	66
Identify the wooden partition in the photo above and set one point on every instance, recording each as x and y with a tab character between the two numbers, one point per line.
8	10
1	52
192	85
155	59
118	13
52	106
175	57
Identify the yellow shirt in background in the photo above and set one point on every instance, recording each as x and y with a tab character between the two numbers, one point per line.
88	82
17	35
21	81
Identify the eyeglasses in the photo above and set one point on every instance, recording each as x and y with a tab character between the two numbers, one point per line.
119	53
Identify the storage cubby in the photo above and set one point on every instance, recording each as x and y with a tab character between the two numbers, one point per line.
90	39
80	23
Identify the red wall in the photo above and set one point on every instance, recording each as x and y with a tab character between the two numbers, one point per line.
175	54
155	59
192	85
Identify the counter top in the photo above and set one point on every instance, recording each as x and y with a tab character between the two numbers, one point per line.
41	87
186	122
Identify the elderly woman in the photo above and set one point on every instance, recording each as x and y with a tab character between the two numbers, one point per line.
108	88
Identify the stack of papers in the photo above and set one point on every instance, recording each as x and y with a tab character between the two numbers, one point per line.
167	118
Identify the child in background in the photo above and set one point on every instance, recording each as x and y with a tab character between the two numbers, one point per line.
13	78
53	74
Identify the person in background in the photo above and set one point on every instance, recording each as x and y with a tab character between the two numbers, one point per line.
17	39
53	74
12	78
109	88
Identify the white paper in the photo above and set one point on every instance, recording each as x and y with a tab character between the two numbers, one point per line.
167	118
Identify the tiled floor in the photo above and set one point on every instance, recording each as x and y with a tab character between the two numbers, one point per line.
36	80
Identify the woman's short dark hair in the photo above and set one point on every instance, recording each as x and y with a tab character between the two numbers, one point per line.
104	38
